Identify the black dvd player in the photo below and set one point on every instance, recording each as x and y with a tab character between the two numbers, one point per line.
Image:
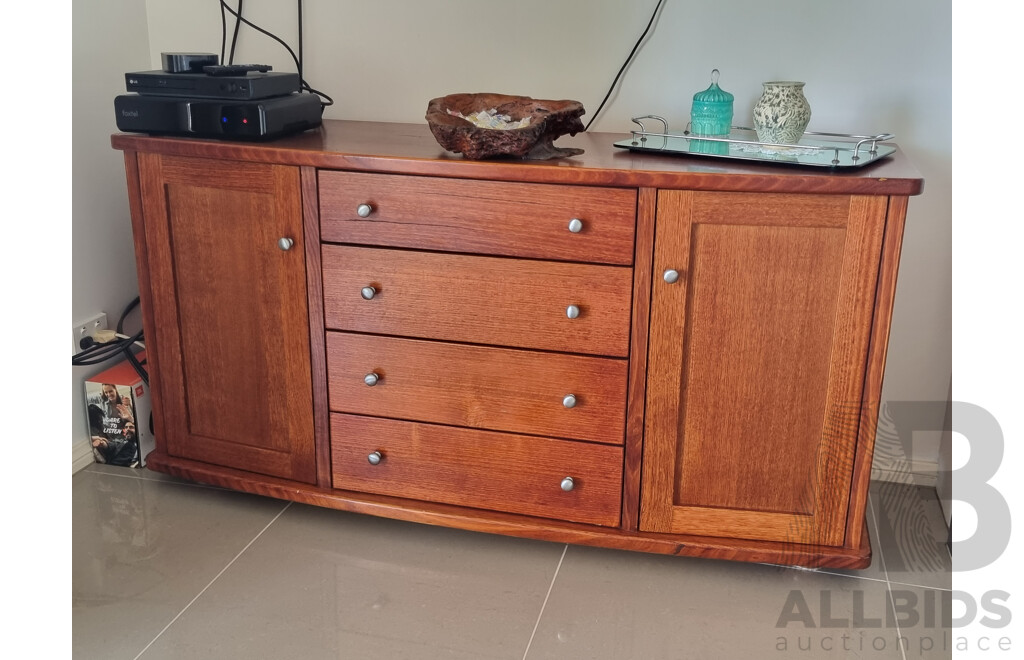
218	118
253	85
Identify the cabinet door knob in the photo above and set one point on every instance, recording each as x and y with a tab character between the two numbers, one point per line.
364	210
572	311
568	484
371	378
375	457
285	243
368	292
569	401
575	225
671	276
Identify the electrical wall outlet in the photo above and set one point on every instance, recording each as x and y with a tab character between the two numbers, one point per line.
87	328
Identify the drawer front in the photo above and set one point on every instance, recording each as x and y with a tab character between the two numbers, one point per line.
479	300
479	386
479	469
486	217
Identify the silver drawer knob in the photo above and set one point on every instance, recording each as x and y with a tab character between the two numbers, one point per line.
285	243
375	457
368	292
569	401
671	276
371	378
575	225
568	484
364	210
572	311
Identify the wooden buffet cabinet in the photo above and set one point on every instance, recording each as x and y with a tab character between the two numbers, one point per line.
653	353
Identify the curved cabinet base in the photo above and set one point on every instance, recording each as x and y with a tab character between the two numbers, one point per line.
475	520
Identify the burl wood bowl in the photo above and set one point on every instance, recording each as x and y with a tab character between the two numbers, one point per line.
549	120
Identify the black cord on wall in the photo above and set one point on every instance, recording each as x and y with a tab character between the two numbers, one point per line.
325	99
300	39
224	33
625	64
234	37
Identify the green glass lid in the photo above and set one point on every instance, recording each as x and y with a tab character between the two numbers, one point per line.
714	93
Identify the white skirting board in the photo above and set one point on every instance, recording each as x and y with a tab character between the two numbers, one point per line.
921	473
81	456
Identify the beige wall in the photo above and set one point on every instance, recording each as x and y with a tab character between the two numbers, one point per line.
870	66
108	38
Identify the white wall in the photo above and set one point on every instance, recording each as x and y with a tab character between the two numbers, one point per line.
870	66
109	37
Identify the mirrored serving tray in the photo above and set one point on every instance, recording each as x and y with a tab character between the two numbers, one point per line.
829	150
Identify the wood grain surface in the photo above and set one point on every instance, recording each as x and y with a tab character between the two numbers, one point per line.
485	217
235	377
317	347
146	297
478	386
753	406
480	469
729	415
395	148
481	300
638	357
885	296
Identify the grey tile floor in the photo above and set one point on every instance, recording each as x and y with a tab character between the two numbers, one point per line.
168	569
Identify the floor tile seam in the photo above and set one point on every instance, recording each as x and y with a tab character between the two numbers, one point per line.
918	586
823	571
112	474
215	578
142	477
543	605
190	484
888	583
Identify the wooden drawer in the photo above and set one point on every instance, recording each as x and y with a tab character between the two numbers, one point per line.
480	469
480	300
483	387
486	217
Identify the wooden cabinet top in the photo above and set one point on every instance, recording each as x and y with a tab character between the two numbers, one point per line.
411	149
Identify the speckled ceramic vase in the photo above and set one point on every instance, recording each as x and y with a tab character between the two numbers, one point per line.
782	113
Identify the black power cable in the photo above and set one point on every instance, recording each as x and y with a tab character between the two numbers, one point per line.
127	310
625	64
224	33
100	353
300	40
133	359
234	37
327	100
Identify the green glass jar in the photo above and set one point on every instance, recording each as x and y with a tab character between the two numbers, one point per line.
711	113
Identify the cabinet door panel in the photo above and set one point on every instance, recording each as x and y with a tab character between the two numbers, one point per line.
234	366
754	393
